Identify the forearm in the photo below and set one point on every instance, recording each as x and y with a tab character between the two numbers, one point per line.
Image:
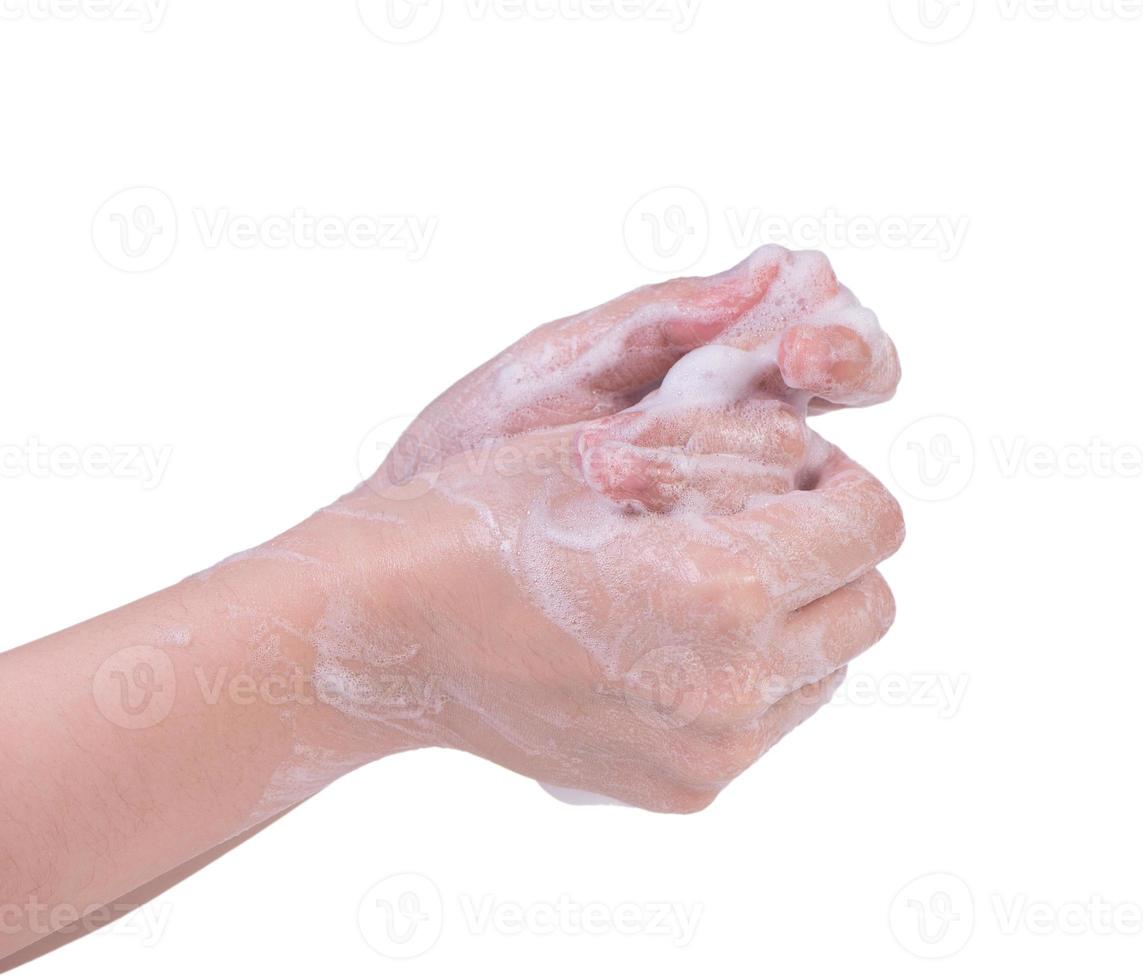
138	740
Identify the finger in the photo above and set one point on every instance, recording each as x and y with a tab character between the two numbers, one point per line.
786	714
710	759
749	740
813	542
768	432
809	645
841	358
650	329
832	630
659	480
592	364
605	360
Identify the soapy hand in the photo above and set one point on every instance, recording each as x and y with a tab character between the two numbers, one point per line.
645	600
639	607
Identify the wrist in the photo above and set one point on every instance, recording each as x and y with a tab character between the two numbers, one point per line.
426	622
361	603
289	642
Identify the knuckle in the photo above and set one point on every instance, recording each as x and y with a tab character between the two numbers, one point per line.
740	750
878	510
789	432
881	603
686	801
889	516
712	760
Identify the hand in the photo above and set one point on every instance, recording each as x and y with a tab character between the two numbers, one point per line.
649	657
600	362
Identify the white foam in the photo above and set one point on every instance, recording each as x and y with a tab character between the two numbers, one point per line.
580	797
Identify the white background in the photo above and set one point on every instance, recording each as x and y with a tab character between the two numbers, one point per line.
528	144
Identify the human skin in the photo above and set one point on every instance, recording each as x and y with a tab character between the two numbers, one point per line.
600	362
652	662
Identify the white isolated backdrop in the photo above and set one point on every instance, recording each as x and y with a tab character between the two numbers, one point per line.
971	802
